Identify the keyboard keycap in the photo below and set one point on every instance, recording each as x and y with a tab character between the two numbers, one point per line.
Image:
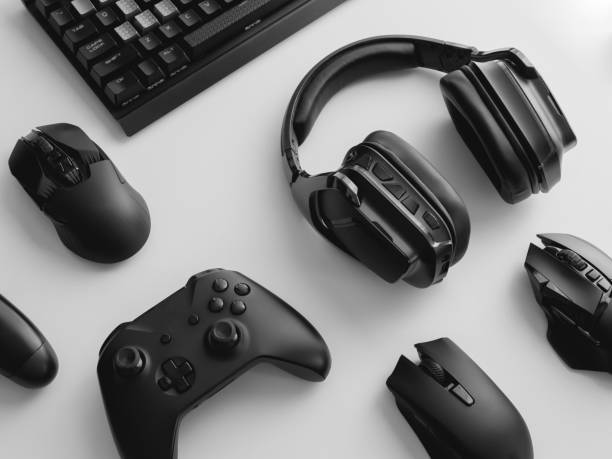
105	69
170	30
46	6
189	19
76	35
146	21
95	49
165	10
149	73
83	7
126	32
129	8
209	7
107	17
173	59
124	89
60	19
149	42
229	24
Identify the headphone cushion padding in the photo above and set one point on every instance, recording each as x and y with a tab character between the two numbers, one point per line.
485	137
395	148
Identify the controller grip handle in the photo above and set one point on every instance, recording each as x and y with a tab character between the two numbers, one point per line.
25	355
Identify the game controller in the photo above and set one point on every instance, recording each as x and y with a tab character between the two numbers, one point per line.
572	283
190	346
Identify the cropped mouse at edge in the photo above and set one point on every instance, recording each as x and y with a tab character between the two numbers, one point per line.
455	409
572	283
95	211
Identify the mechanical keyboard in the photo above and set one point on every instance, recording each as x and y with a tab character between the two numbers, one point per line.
144	58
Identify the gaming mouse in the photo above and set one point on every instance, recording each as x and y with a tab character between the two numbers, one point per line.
455	409
95	211
571	280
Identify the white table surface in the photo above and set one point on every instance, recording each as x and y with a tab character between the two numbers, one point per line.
212	176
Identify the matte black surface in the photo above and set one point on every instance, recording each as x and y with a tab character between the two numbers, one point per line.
201	54
455	408
25	355
95	211
144	409
571	280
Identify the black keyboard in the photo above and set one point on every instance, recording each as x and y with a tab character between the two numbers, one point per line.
144	58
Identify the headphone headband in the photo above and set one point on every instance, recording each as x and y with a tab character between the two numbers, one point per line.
369	57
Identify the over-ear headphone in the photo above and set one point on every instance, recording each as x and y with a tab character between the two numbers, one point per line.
387	205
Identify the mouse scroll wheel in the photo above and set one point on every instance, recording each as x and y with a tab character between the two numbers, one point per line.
435	370
571	258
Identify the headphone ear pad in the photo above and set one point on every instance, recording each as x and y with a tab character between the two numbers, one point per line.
488	141
407	159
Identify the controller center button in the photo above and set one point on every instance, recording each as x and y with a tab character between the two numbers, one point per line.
220	285
242	289
194	319
129	361
216	305
223	335
238	307
165	339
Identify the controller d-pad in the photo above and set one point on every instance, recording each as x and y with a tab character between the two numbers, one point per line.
178	374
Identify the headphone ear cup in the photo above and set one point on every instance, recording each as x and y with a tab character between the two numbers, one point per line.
472	109
439	192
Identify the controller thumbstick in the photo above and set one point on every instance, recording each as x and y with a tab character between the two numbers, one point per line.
223	336
129	361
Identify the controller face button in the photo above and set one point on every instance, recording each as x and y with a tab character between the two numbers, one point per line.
223	336
165	383
242	289
216	305
129	361
238	307
165	339
194	319
220	285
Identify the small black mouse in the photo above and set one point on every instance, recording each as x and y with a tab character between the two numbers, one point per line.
455	409
572	283
96	213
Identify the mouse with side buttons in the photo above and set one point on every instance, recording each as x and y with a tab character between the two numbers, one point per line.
572	283
95	211
455	409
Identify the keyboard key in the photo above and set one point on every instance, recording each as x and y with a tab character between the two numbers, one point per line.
107	17
146	21
104	70
124	89
165	10
129	8
229	24
83	7
104	3
189	19
126	32
76	35
95	49
149	42
149	73
209	7
60	19
170	30
46	6
184	3
173	59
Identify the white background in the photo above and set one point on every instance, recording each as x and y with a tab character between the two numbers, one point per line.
212	175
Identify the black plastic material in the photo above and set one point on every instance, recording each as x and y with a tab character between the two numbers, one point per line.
26	357
145	408
455	408
572	282
96	213
216	64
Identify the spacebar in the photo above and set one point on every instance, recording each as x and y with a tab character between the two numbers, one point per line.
229	24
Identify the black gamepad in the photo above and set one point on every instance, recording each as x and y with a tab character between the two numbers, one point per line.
191	345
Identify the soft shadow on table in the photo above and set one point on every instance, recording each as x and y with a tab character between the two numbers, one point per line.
13	396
